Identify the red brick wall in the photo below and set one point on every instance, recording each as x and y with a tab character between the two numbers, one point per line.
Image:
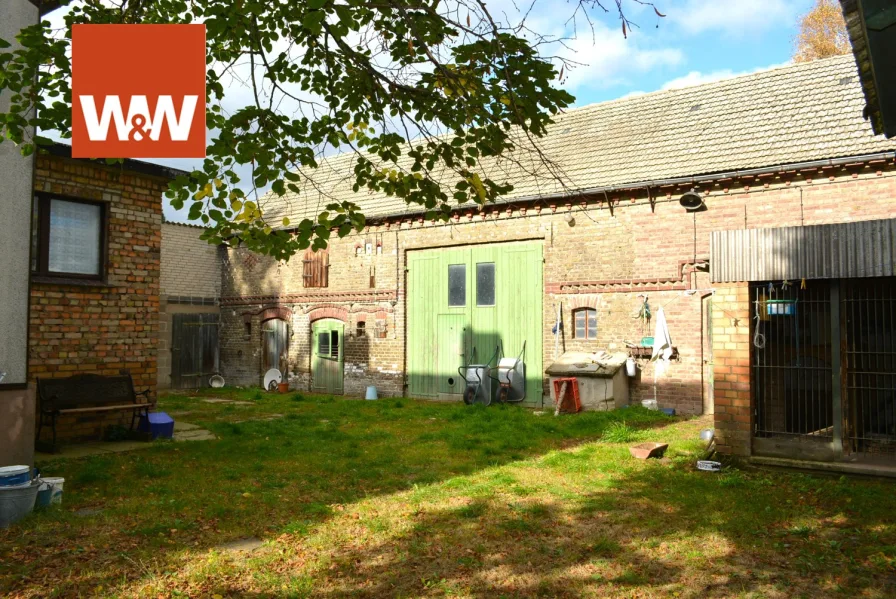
731	357
113	327
606	259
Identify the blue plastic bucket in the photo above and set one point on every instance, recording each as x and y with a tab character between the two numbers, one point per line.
371	393
15	476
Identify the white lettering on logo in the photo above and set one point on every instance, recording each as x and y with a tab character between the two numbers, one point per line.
98	124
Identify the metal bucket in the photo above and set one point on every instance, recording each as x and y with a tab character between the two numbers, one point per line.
17	503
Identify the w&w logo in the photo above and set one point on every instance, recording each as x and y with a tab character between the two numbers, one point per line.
138	91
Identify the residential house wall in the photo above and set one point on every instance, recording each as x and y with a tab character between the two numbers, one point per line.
104	327
606	259
190	284
16	398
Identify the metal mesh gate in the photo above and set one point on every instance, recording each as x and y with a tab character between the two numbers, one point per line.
869	348
791	361
823	364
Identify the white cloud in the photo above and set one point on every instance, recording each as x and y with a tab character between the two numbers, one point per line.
699	78
732	17
608	59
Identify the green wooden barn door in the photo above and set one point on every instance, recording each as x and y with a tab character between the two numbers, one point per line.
519	319
474	297
327	357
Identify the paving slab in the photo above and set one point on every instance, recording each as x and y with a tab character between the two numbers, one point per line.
183	431
194	435
230	401
184	426
241	545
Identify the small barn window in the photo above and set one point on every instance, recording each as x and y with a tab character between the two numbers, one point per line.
323	344
586	323
334	344
457	285
485	284
316	268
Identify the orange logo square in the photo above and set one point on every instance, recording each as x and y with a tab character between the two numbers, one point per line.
138	91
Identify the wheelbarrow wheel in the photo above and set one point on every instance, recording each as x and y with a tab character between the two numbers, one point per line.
469	395
503	394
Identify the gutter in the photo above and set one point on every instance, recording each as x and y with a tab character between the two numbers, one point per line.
691	180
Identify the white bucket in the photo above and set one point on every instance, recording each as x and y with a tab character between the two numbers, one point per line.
630	368
371	393
55	485
650	404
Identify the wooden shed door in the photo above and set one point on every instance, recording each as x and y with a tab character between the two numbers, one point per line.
194	350
327	359
275	346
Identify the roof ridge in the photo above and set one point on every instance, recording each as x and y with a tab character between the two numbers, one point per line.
764	72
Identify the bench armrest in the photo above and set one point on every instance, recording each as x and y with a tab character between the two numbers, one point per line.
145	393
48	404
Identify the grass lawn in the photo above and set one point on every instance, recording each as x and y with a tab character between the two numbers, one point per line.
400	498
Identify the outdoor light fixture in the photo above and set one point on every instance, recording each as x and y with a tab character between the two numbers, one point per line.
692	202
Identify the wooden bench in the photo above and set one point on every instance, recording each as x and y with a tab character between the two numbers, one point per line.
85	393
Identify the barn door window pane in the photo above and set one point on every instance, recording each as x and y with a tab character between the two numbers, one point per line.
485	284
457	285
334	344
323	344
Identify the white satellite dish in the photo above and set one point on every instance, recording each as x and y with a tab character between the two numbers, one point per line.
272	378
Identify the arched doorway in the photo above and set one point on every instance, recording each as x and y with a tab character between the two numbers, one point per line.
328	347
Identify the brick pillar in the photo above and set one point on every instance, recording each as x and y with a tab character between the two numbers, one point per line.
731	370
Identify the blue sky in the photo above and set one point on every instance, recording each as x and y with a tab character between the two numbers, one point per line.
698	41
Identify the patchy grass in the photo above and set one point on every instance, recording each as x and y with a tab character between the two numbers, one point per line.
401	498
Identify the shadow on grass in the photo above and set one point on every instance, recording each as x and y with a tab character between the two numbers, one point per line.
648	530
153	511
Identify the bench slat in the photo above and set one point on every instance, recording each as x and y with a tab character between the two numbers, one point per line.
133	406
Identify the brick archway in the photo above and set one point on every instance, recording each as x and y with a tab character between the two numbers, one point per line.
328	312
278	312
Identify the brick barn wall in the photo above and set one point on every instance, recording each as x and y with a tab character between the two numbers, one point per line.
190	282
606	258
107	328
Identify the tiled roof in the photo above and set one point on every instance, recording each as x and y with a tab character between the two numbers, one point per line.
796	113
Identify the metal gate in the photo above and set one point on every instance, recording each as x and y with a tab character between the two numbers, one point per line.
194	350
823	367
869	348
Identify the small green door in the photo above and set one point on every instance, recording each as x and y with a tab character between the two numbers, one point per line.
327	357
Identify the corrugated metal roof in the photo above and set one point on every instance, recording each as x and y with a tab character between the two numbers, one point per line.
835	251
800	112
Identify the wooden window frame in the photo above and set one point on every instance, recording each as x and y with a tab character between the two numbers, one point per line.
588	332
42	203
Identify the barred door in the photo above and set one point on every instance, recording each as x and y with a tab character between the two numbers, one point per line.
823	368
869	361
